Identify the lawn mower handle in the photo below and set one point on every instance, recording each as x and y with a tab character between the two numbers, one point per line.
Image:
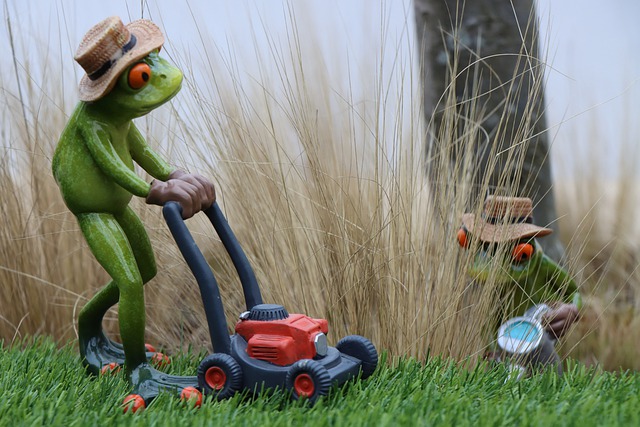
209	289
250	288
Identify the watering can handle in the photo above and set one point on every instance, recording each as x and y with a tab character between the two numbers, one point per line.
537	311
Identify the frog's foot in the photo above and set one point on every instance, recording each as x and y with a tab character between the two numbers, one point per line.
102	355
148	383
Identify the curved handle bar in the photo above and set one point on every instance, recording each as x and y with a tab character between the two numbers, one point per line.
209	289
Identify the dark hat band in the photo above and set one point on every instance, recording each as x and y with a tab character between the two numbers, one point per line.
510	220
105	67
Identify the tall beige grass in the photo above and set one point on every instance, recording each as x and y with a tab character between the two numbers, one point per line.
324	185
598	218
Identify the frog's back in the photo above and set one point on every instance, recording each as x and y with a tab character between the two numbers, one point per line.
84	187
69	134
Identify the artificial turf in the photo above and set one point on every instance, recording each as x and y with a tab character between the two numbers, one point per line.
42	384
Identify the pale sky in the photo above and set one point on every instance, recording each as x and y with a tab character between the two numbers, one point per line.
593	84
592	46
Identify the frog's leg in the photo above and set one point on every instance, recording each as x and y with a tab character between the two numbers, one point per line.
122	247
147	381
109	243
98	350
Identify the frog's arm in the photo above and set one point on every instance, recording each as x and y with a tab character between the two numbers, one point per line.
148	159
559	281
104	154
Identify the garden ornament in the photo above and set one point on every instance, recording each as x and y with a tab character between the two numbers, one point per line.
504	240
93	165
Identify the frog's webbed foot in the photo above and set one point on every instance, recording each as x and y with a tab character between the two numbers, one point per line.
102	355
148	383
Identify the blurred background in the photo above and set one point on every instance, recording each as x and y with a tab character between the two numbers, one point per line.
343	73
590	49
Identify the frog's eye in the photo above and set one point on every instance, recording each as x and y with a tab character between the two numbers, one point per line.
139	75
463	238
522	252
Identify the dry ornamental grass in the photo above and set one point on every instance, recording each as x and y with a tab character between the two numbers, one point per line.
324	186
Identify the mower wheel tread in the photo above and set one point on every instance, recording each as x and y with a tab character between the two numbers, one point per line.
362	349
309	375
222	368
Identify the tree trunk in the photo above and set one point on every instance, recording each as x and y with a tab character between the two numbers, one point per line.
490	46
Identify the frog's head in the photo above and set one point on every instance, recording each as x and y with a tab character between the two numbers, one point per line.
503	240
125	77
502	262
143	86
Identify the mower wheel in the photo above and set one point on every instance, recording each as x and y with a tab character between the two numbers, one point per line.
191	395
110	369
363	350
220	375
133	402
309	379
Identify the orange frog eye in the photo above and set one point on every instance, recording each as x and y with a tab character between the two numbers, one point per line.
463	239
522	252
139	75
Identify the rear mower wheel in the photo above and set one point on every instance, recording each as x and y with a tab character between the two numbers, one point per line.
363	350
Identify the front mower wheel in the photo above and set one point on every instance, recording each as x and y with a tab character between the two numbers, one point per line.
220	375
363	350
309	379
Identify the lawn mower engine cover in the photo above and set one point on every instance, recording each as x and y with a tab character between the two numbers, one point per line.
275	336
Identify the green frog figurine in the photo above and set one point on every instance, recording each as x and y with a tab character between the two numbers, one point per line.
93	166
504	240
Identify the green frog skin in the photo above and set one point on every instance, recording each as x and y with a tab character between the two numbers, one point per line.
93	166
531	277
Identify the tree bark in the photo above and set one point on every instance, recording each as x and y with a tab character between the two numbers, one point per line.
490	46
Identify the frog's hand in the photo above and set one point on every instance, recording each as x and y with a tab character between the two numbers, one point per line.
98	142
148	159
559	282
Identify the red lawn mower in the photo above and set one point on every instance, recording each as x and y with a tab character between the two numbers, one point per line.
270	348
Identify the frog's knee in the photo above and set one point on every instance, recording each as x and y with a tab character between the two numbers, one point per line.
131	288
146	264
149	272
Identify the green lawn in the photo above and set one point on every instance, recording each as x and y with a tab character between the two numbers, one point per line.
44	385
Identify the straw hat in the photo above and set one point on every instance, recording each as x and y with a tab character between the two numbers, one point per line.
110	47
504	219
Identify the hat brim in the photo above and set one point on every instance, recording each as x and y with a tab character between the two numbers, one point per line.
148	38
502	233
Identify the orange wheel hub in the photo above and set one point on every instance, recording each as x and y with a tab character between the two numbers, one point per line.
133	402
215	378
303	385
110	369
160	360
191	394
